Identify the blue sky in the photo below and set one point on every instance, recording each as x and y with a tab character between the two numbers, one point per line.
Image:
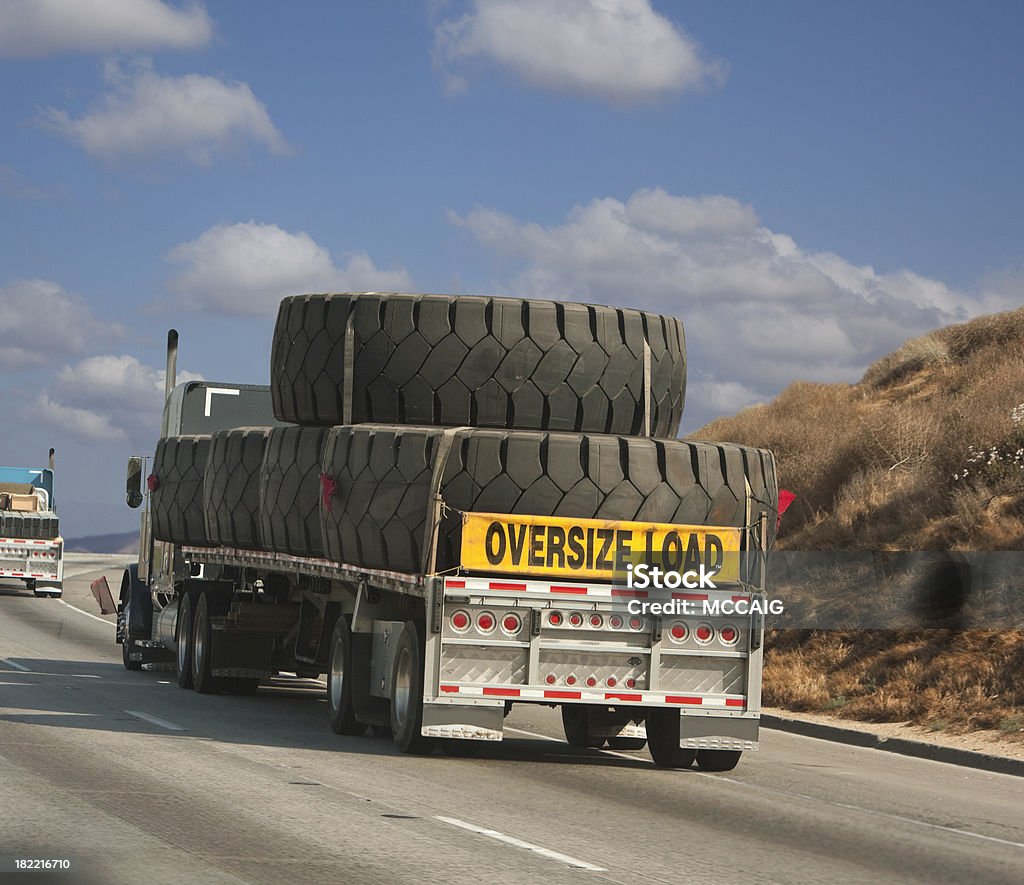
806	185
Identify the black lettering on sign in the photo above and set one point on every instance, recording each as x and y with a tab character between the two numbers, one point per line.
556	547
605	536
672	552
692	554
536	558
590	548
623	543
516	541
495	552
577	554
713	555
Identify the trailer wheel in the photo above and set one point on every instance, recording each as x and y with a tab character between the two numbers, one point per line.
407	692
620	743
127	644
718	760
663	739
339	682
203	679
183	655
576	725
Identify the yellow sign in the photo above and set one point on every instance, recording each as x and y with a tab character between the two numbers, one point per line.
573	549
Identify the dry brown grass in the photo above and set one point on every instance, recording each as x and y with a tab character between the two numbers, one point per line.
879	465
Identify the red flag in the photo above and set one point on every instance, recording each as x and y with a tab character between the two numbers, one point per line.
786	498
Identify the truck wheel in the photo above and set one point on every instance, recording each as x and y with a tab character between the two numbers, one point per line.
407	692
617	743
203	679
576	725
30	584
127	644
718	760
339	683
183	656
663	739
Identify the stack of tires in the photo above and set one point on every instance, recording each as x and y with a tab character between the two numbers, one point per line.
497	405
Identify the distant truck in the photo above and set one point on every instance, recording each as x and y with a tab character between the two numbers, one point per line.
505	608
31	548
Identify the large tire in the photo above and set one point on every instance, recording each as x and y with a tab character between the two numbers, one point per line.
718	760
576	725
127	643
340	710
407	692
183	651
177	489
663	739
381	479
231	487
290	491
203	679
480	361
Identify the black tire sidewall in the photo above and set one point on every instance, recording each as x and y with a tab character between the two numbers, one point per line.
203	681
342	719
406	728
184	629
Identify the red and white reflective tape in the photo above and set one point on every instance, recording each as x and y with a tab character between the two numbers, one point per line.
647	698
491	586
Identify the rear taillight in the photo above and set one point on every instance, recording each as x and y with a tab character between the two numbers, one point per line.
485	622
555	619
631	682
570	679
591	681
575	619
704	633
678	631
615	622
460	621
612	681
728	634
636	623
511	624
596	620
550	679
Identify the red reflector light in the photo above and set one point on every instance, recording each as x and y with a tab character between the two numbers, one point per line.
555	619
678	632
460	620
576	619
635	623
631	682
596	620
704	633
570	680
485	622
612	681
591	681
728	634
511	623
615	621
550	679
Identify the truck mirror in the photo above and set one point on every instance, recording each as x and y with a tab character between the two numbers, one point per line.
133	484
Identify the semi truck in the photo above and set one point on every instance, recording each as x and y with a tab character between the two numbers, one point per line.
31	548
434	640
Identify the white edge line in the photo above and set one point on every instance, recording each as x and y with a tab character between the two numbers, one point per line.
11	663
761	788
156	720
519	843
87	614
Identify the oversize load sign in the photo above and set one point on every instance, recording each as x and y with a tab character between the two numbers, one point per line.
593	548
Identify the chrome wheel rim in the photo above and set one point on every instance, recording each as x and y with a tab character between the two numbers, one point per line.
337	675
403	686
183	633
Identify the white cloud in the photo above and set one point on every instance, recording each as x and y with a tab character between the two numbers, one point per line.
247	268
759	311
40	321
13	184
620	50
106	398
148	114
33	28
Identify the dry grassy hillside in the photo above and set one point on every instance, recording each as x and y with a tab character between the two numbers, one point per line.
925	452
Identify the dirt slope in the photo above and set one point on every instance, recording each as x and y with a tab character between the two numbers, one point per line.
925	452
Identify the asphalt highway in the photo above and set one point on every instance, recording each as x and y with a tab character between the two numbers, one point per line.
128	778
